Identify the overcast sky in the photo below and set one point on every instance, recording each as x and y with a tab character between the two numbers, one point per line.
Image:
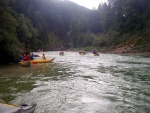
89	3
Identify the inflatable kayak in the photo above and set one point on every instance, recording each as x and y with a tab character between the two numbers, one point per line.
61	53
96	54
6	108
42	61
82	53
25	63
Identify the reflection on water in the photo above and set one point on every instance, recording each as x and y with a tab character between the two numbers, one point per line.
76	83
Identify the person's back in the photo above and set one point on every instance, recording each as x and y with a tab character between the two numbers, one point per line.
27	57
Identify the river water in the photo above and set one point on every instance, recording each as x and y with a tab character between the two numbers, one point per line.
75	83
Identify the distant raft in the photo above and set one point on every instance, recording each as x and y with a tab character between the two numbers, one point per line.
82	52
25	63
96	54
24	108
61	53
42	61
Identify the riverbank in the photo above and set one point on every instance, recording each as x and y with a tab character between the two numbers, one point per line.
130	49
126	49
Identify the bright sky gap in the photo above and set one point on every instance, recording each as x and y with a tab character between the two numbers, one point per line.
89	3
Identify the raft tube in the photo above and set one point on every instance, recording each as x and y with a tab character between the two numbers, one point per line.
42	61
25	63
7	108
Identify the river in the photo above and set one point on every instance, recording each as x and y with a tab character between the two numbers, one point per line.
73	83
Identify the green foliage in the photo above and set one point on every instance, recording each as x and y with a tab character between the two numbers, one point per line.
8	38
100	41
26	33
83	40
8	47
54	42
15	31
143	41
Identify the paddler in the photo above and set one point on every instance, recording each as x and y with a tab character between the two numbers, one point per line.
43	57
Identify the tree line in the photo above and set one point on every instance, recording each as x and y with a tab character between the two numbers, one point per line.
62	24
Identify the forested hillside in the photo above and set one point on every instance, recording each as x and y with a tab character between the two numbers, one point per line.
62	24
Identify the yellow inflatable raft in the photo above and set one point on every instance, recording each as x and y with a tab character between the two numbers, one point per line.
42	61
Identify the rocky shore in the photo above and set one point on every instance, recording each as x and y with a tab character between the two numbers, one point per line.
129	49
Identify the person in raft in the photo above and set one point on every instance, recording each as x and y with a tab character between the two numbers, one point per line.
43	57
26	57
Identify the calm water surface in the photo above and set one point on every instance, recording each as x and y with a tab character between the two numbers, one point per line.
76	83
